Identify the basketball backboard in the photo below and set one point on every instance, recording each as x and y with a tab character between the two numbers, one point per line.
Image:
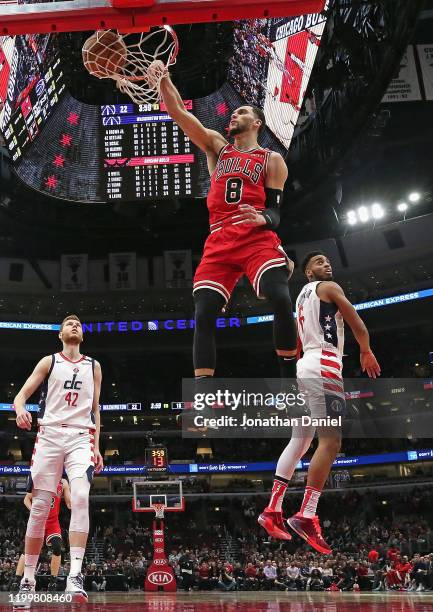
137	15
167	493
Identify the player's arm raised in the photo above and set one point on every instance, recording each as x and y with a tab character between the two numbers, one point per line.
331	292
66	492
99	463
276	176
37	377
209	141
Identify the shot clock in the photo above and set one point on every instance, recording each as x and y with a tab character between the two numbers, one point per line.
156	459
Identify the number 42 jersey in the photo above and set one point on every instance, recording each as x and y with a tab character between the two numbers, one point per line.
239	178
67	393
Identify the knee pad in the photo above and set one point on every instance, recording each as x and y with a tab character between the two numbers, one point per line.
80	488
56	546
208	305
275	288
274	284
41	503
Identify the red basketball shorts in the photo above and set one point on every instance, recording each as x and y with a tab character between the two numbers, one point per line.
235	250
52	528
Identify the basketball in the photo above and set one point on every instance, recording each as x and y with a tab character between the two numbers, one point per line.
104	54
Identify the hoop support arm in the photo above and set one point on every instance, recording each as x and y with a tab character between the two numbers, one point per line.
131	15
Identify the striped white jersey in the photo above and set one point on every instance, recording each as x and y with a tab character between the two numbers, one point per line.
320	325
67	393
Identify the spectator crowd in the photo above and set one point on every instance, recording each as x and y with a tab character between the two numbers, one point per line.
377	545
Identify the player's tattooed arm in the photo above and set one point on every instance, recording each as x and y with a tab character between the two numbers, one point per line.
209	141
34	381
328	291
66	493
99	463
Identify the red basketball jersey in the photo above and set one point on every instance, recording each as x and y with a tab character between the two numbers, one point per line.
239	178
55	503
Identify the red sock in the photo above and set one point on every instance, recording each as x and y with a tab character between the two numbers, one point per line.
278	490
310	501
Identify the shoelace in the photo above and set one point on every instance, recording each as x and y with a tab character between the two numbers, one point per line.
280	521
317	527
77	581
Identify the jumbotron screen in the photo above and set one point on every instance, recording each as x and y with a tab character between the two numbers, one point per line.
124	152
145	154
271	66
31	84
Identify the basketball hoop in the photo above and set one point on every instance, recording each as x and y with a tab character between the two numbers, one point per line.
126	58
159	510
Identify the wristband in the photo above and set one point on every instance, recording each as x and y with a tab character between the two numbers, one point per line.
272	218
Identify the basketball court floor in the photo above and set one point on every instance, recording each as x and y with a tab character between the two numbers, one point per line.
264	601
250	602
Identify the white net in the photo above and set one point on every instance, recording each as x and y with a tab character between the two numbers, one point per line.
159	510
136	62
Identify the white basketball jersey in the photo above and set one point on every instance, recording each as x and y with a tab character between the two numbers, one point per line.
320	325
67	393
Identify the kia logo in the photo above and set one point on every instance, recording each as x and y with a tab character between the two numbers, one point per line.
160	578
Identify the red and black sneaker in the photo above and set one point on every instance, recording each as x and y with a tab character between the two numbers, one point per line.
309	529
273	522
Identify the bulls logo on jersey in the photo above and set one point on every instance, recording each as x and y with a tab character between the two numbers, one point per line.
239	178
241	167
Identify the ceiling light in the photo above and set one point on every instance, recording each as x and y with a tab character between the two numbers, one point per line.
415	196
402	207
377	211
351	217
363	214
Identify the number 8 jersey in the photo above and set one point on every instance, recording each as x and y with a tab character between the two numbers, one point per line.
239	178
67	393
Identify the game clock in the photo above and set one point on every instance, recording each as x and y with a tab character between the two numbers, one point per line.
156	459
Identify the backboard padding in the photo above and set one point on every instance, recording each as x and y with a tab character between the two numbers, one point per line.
138	15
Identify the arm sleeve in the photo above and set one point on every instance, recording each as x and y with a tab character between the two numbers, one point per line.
271	213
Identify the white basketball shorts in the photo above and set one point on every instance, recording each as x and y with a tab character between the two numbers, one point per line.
59	447
319	375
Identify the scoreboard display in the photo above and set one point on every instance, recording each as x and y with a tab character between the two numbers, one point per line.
156	459
145	154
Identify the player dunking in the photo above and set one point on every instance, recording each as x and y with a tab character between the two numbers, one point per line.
68	437
53	532
321	310
245	194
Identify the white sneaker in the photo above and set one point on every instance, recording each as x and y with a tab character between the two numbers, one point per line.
74	585
21	599
420	588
